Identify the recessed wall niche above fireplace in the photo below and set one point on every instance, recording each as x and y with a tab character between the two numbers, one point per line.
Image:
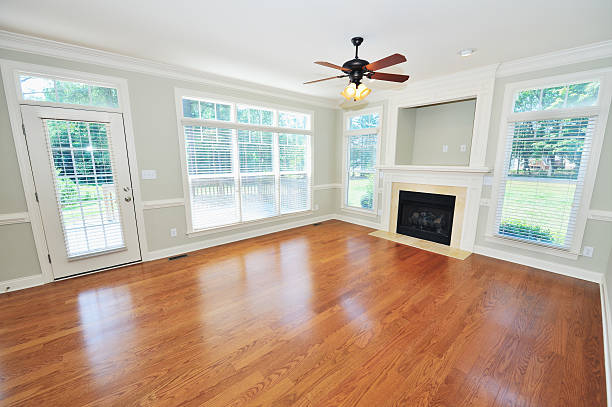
426	216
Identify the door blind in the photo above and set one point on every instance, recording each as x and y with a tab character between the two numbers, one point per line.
543	179
244	175
83	171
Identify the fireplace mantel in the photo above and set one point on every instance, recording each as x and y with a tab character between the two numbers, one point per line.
434	168
468	178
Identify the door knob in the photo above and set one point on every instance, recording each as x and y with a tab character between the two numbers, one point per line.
126	189
128	198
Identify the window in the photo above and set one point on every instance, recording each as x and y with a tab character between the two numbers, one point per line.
548	133
243	163
361	149
44	89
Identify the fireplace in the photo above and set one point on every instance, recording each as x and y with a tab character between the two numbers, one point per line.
426	216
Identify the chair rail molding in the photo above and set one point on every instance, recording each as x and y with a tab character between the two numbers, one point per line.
12	218
163	203
598	214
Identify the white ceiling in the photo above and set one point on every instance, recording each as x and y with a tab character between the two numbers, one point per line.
275	42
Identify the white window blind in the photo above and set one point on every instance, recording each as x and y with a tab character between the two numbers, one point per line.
236	174
547	151
212	183
361	145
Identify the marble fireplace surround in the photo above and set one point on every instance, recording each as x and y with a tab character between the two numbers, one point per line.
463	182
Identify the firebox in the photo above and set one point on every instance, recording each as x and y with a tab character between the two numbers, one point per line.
426	216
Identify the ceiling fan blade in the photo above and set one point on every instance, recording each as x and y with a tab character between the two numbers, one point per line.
325	79
392	77
330	65
386	62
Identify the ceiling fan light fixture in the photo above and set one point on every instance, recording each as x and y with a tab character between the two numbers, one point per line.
362	92
350	91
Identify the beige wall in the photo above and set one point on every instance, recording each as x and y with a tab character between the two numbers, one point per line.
156	138
421	132
404	143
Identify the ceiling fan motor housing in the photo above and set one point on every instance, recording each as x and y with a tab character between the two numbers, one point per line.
357	69
356	65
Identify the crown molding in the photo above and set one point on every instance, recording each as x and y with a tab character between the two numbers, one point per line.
475	78
554	59
40	46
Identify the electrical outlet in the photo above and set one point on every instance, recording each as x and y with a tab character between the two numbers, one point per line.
316	207
463	148
587	251
445	148
173	232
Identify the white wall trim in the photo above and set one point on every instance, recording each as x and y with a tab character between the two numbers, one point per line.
606	318
35	45
361	222
568	56
598	214
476	83
21	283
553	267
485	201
326	186
203	244
16	217
163	203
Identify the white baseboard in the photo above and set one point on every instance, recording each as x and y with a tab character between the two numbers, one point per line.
234	237
606	318
553	267
357	221
21	283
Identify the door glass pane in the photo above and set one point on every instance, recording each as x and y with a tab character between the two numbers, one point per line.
85	186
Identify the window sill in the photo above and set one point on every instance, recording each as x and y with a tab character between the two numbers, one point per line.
357	211
531	247
237	226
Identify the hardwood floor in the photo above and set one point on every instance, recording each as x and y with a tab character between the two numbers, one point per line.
316	316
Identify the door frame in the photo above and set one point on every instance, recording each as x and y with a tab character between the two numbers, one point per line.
10	70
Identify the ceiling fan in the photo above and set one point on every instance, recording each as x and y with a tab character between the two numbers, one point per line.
356	69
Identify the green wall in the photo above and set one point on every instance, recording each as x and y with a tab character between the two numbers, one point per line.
156	138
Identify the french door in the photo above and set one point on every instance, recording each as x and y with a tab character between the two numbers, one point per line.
80	166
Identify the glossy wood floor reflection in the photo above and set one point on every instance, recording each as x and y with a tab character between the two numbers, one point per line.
316	316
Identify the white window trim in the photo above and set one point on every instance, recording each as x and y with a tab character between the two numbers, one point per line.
181	93
345	134
604	76
14	98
